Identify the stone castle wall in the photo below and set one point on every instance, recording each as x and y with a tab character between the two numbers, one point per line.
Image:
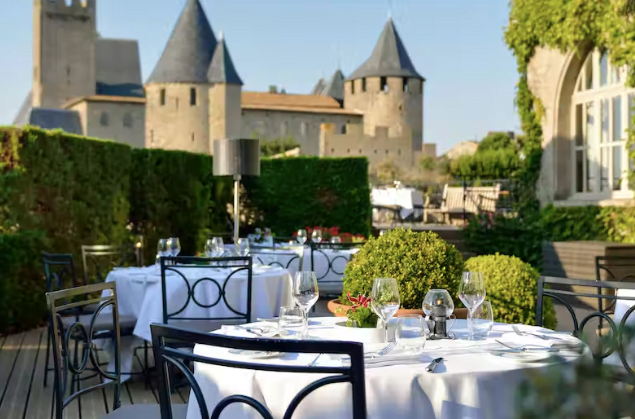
117	121
64	51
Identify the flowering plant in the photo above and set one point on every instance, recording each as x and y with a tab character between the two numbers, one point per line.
360	314
329	232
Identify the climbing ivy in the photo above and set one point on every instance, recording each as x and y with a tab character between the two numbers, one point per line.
564	25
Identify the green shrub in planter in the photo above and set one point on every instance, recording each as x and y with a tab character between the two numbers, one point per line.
419	262
512	288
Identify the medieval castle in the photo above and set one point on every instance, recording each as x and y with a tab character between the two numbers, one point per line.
92	86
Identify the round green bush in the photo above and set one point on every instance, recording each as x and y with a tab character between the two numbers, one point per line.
512	288
419	262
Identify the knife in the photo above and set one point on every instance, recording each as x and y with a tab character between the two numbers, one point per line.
433	364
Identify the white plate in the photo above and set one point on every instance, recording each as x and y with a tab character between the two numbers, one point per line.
529	356
254	354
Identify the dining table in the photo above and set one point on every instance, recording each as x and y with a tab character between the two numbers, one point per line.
477	379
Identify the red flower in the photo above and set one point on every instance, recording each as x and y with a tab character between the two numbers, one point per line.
335	231
347	235
360	301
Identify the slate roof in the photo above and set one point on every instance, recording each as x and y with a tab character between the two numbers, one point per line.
319	86
189	51
222	69
118	68
293	103
389	58
335	86
63	119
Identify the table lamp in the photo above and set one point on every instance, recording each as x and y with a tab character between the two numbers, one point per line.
236	158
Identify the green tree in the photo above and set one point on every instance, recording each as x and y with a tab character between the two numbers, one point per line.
495	141
278	146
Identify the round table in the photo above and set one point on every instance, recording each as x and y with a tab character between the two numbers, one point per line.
471	382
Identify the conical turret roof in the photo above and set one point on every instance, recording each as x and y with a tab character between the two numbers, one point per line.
335	86
389	58
189	51
222	69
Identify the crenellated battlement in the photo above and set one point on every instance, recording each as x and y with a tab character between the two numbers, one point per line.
76	7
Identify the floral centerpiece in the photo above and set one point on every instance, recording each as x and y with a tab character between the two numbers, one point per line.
360	314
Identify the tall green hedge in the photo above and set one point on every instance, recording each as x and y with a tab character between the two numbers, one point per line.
293	193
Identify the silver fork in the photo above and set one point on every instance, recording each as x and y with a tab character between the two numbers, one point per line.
527	349
384	351
521	333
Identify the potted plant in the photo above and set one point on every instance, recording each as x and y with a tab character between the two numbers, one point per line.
361	322
420	261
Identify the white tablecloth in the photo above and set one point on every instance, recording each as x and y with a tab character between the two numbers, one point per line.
329	280
470	383
139	296
406	198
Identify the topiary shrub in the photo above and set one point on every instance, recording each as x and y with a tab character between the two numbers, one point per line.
419	262
512	288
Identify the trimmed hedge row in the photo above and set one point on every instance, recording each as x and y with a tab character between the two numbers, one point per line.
70	190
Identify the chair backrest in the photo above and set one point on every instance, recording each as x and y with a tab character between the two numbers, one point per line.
335	255
66	363
473	199
59	271
199	277
295	254
613	268
167	354
561	290
98	260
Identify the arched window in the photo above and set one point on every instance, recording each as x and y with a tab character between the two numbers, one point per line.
127	120
601	116
104	120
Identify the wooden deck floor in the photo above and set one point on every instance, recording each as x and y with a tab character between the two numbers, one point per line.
23	395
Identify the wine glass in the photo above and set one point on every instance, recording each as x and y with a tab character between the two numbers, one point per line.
210	249
218	246
258	234
174	245
305	293
242	247
316	237
385	299
162	251
301	236
472	294
438	297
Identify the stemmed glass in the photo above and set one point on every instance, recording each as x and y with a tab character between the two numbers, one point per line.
258	234
301	236
385	299
242	247
316	237
472	294
305	293
174	246
162	251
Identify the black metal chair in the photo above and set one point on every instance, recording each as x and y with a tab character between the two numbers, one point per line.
318	249
180	268
561	290
68	363
165	354
99	259
260	254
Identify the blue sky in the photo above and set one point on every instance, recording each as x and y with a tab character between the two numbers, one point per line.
457	45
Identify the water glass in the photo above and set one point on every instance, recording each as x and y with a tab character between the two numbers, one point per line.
385	300
336	240
291	322
242	247
411	332
301	236
174	246
257	234
305	293
209	249
483	319
218	246
162	251
316	237
472	294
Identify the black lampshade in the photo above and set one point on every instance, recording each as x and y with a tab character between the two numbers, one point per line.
237	157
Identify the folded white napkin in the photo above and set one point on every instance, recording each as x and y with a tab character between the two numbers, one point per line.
563	342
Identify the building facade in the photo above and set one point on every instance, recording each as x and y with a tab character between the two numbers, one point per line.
194	94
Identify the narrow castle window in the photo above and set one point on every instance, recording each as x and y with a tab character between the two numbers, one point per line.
386	151
303	129
405	84
353	87
332	150
343	129
151	137
162	97
360	151
384	84
364	84
127	120
103	119
193	96
193	137
177	103
348	150
284	127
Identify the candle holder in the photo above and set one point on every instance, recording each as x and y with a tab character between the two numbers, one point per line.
438	322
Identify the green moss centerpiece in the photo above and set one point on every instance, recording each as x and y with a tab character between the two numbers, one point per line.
361	314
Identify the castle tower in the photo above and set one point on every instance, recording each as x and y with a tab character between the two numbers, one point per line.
63	51
225	113
177	90
388	90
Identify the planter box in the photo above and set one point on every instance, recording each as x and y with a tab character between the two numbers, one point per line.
576	259
334	307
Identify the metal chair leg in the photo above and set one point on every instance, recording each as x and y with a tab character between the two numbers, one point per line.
48	350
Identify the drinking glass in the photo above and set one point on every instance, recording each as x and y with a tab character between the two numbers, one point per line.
305	293
258	234
483	319
209	249
218	246
174	245
316	237
336	240
411	332
291	322
385	299
162	251
301	236
438	297
471	293
242	247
